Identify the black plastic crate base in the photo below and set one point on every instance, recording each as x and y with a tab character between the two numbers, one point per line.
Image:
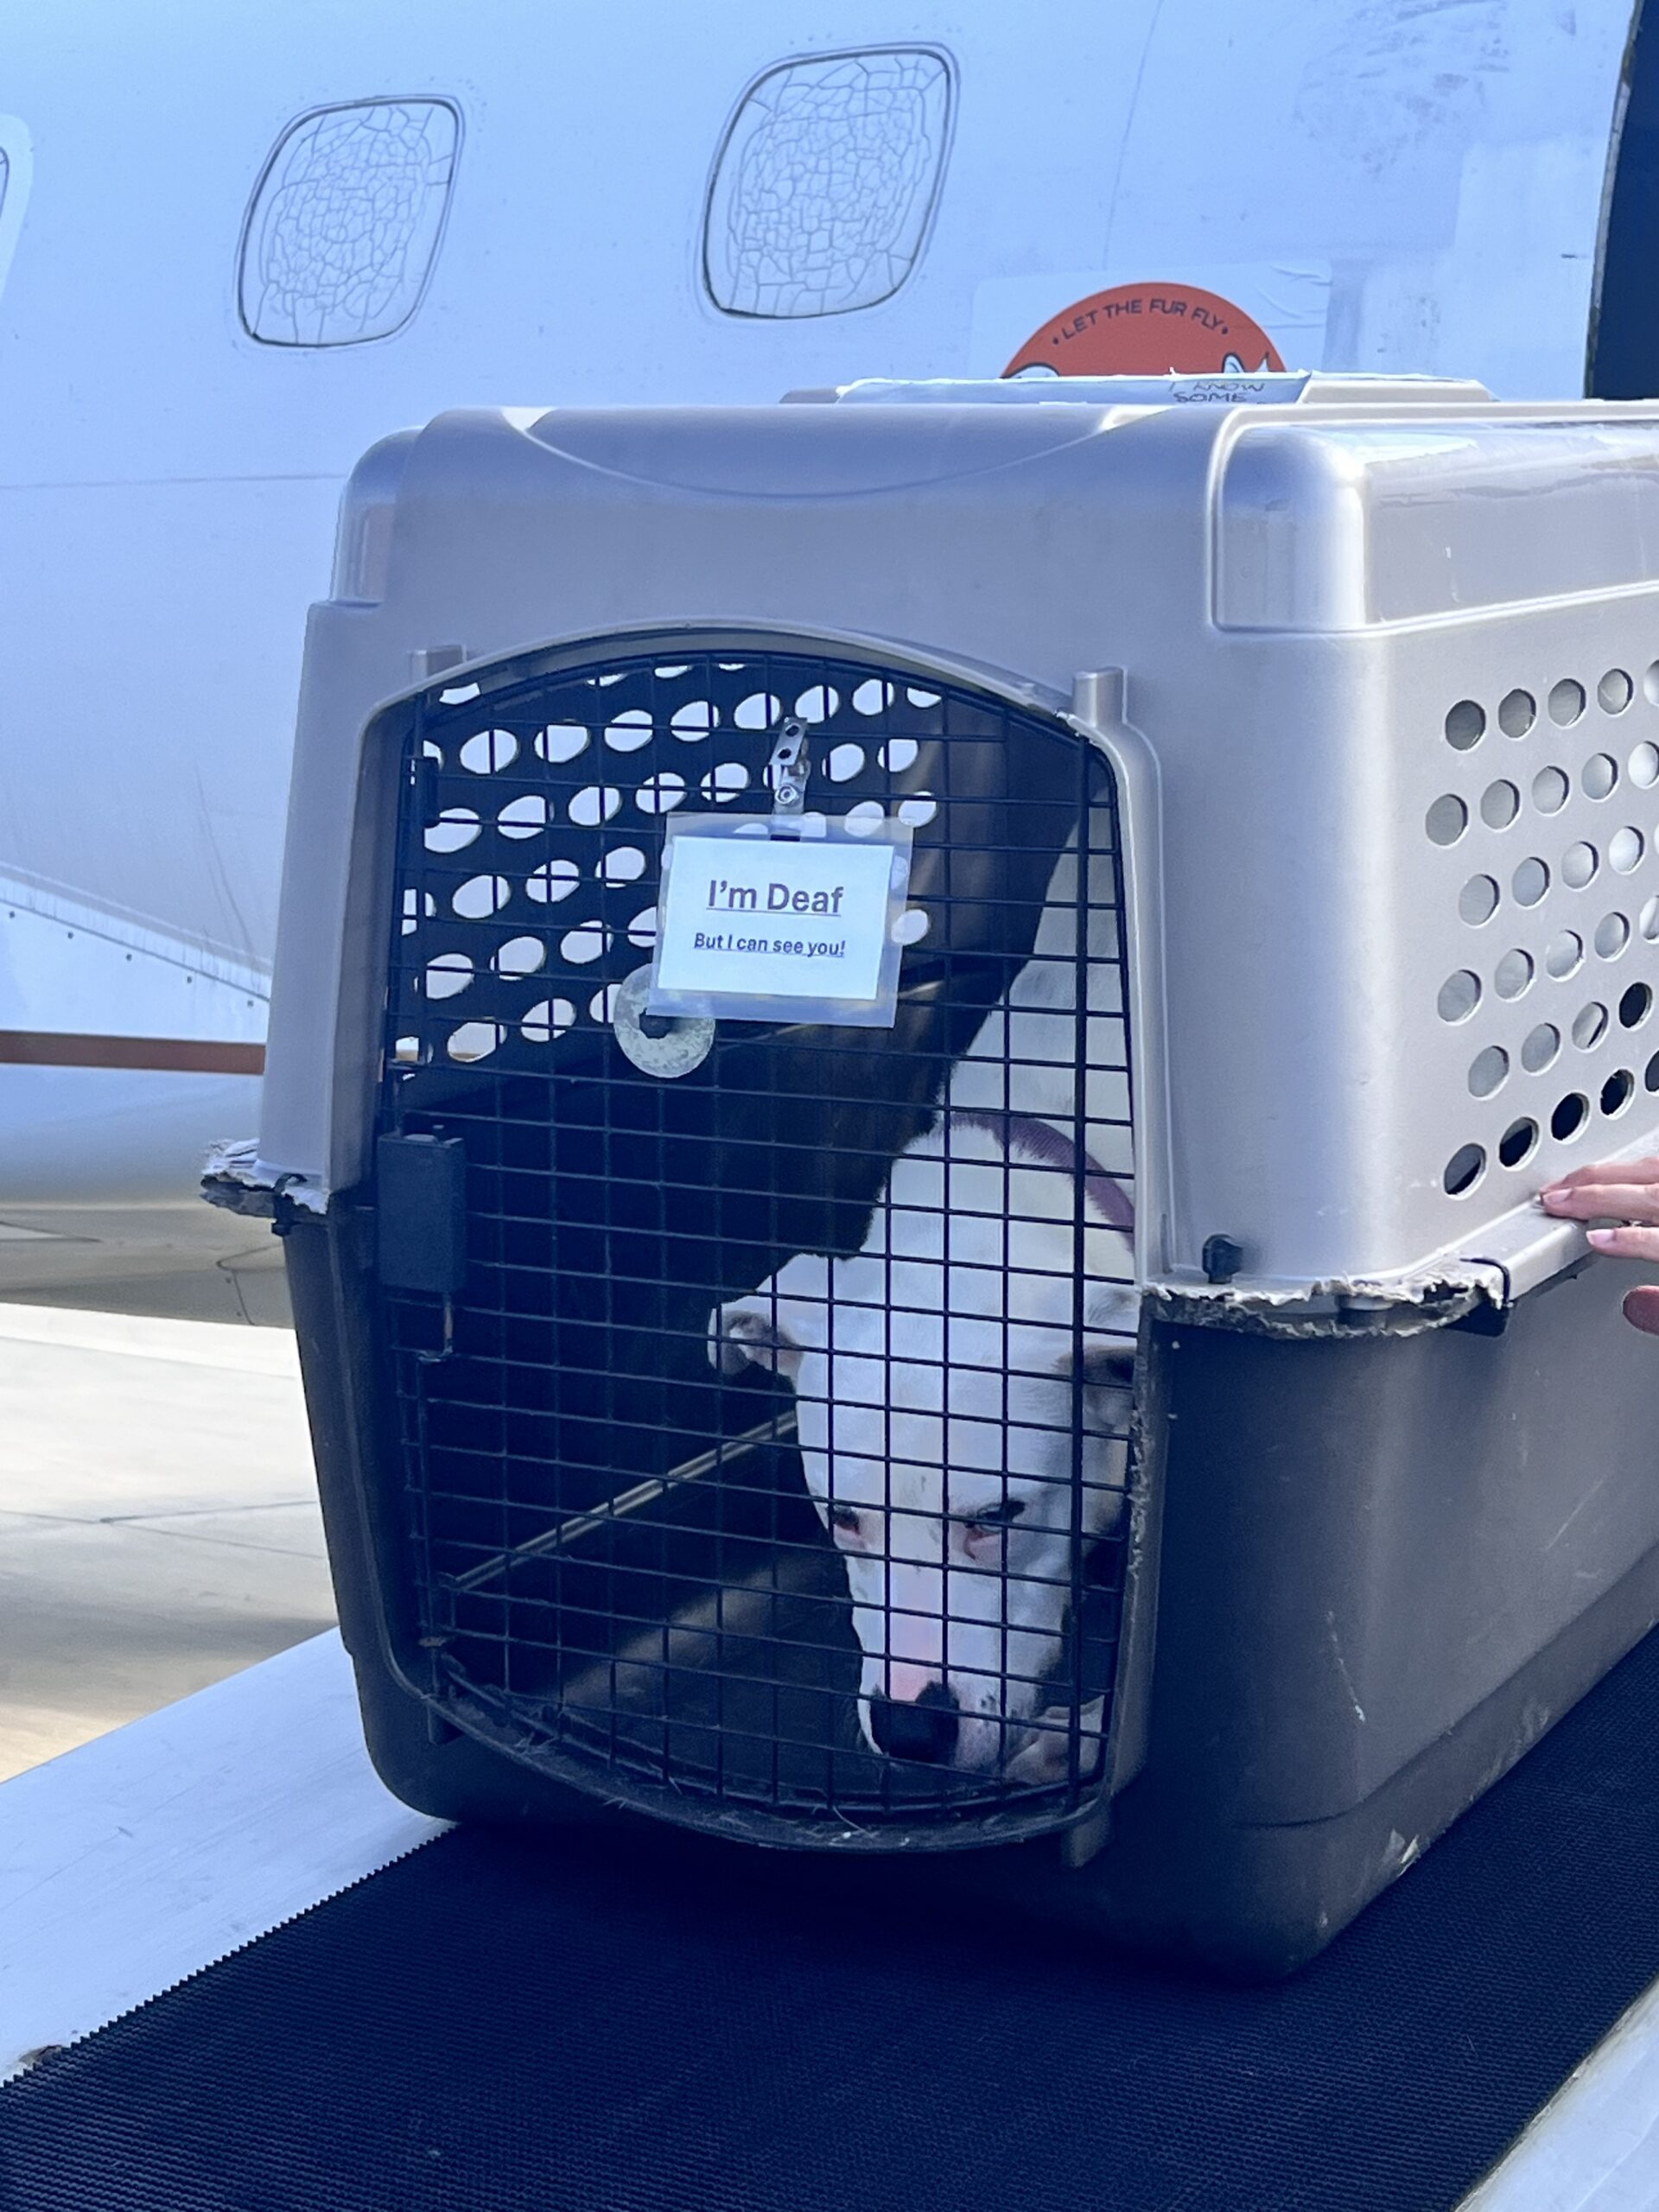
1325	1702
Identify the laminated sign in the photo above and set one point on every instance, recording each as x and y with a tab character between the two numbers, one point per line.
759	921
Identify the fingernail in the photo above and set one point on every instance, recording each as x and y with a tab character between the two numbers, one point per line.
1604	1238
1550	1198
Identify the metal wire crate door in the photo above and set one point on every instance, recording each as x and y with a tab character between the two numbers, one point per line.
624	1570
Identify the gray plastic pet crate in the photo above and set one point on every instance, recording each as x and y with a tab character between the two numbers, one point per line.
1315	747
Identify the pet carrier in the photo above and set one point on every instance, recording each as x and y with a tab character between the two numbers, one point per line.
913	1048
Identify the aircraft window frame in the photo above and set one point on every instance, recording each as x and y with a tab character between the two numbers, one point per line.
736	276
16	176
378	293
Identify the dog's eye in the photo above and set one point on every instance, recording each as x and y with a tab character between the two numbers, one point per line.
844	1518
994	1518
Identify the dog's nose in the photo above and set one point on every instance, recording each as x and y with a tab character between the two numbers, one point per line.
925	1729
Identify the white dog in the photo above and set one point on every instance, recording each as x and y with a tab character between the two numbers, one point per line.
934	1370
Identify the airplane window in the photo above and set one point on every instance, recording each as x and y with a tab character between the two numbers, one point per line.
345	221
826	181
15	165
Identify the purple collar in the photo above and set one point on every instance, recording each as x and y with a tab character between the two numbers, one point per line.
1051	1147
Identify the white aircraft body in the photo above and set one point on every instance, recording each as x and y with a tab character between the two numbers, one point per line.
237	244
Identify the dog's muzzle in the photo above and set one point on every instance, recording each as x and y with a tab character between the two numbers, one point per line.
923	1729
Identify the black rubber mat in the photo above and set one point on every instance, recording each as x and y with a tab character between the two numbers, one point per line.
495	2025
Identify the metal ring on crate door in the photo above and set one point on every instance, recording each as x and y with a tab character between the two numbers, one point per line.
659	1044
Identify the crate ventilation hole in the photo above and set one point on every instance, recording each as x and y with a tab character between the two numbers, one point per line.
578	943
1519	901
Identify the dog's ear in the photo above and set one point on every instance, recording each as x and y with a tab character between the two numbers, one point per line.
1107	1365
750	1332
775	1325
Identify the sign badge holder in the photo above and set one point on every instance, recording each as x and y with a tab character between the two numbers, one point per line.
786	916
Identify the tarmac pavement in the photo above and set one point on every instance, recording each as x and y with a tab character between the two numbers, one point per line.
159	1527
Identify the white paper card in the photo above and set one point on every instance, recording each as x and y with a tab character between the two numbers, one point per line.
764	926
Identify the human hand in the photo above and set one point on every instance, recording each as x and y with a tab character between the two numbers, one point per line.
1628	1189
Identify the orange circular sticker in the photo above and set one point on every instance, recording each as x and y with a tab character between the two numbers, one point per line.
1147	330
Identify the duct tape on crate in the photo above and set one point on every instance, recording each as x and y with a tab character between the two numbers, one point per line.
759	920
